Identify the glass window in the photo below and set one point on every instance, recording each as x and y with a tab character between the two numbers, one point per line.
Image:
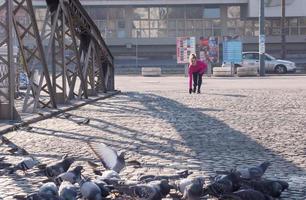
158	13
162	33
141	13
180	24
194	12
144	24
176	12
211	13
97	13
136	24
303	21
154	24
153	33
172	24
194	24
233	12
121	24
115	13
162	24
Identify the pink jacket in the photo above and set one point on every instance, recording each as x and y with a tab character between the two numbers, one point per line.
199	67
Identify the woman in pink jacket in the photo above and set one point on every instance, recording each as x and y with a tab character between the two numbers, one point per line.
196	71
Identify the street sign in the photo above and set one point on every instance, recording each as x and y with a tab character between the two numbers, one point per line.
262	40
184	47
232	51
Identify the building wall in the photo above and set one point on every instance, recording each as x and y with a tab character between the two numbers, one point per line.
152	26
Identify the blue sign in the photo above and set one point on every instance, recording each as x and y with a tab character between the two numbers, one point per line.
232	51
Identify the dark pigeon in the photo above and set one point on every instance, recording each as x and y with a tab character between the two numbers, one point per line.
52	171
155	190
225	184
71	176
24	165
272	188
254	173
179	175
90	190
47	191
247	194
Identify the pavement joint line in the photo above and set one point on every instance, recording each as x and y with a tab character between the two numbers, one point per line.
56	112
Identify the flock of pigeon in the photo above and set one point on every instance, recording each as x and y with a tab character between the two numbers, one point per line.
68	183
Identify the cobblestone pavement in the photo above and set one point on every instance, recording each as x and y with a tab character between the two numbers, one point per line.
234	122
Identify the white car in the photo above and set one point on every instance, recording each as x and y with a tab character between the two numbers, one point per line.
271	64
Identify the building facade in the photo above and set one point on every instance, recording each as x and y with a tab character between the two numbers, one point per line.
147	29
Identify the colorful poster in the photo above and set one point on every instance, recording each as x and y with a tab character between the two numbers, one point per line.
209	49
184	47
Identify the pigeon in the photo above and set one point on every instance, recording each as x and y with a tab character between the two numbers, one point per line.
104	187
155	190
18	151
67	191
269	187
83	121
254	173
48	190
90	190
248	194
225	184
24	165
191	188
3	164
58	168
71	176
108	156
179	175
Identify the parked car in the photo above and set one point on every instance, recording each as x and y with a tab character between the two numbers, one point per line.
271	64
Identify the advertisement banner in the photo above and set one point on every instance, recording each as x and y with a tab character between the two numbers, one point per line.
232	49
184	47
209	49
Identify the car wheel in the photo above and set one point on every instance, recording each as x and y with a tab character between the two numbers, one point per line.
280	69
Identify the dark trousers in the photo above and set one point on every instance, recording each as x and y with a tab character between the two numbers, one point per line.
197	80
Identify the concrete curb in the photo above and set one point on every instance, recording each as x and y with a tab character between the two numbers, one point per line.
54	112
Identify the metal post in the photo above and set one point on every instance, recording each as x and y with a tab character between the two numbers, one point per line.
262	38
283	29
137	31
11	65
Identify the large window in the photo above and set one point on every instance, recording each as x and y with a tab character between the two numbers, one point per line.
141	13
176	12
211	13
194	12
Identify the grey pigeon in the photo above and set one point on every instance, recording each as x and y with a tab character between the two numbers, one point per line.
108	156
225	184
48	189
83	121
179	175
104	187
72	175
155	190
67	191
272	188
191	188
248	194
90	190
110	177
58	168
24	165
254	173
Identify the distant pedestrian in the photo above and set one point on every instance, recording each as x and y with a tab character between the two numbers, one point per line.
196	71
